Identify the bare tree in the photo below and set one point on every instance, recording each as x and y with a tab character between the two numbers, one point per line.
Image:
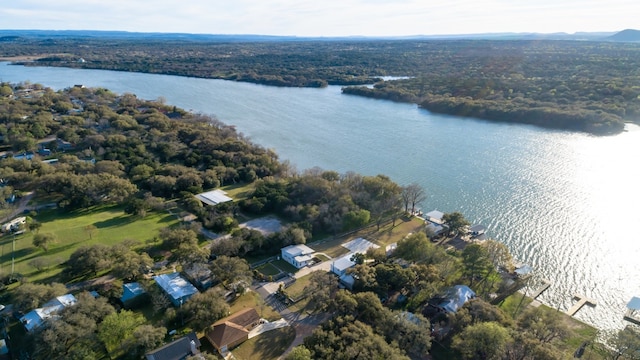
91	230
412	194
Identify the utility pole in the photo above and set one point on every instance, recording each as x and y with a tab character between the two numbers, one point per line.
13	255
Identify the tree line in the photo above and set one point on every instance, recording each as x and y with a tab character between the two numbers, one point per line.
577	85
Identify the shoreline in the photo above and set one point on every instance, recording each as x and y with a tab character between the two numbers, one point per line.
23	57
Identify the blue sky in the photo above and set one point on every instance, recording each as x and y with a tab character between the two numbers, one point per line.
323	17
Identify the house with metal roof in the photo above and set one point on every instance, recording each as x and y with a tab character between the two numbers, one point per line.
35	318
455	297
131	294
176	287
213	197
340	265
435	217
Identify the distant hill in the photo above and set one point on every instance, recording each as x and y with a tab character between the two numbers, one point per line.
16	35
628	35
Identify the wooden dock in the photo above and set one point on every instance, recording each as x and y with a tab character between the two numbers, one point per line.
582	301
629	316
546	284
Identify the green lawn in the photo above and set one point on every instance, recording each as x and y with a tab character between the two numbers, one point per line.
392	234
515	304
254	300
111	224
268	345
321	257
330	246
238	191
302	306
268	269
387	234
297	289
284	266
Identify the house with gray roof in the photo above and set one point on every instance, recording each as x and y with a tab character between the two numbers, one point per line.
177	350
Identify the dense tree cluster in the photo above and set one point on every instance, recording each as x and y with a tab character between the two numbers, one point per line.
577	85
123	259
110	148
364	329
320	200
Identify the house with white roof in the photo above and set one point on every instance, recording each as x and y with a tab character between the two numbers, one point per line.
174	285
298	255
477	230
35	318
214	197
340	265
435	217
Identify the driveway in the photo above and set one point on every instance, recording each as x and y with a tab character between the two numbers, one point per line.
268	326
269	288
303	323
20	208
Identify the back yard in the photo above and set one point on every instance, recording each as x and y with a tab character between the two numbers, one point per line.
105	225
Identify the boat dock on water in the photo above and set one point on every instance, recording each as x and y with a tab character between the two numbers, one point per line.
582	301
633	311
545	285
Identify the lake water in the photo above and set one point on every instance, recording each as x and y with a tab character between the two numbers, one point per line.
563	202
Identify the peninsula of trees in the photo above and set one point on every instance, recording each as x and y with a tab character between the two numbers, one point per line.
577	85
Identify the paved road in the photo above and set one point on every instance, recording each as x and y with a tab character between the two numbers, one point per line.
22	206
303	323
92	282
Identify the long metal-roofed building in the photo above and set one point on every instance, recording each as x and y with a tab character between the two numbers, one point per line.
213	197
176	287
35	318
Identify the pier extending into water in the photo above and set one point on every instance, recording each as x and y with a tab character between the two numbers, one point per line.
582	301
633	311
545	285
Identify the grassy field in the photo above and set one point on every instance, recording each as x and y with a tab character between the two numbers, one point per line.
297	289
238	191
387	234
515	304
266	346
109	226
391	234
321	257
